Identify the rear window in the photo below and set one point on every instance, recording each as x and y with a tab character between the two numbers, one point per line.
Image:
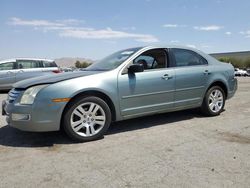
49	64
185	57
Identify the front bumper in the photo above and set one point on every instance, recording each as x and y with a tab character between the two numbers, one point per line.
42	116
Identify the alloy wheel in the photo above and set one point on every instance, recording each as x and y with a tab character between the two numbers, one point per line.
215	100
87	119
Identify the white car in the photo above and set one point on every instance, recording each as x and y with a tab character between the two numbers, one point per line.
14	70
240	72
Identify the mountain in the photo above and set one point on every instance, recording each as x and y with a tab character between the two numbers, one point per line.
70	61
239	55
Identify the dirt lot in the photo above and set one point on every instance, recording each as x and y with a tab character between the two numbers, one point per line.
181	149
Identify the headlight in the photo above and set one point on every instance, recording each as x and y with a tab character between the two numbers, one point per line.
30	94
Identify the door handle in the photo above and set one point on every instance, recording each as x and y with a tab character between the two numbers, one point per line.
9	72
166	77
21	71
206	72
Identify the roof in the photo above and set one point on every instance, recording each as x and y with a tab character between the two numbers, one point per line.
166	46
15	59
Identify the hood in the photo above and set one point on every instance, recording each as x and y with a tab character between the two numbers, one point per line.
50	79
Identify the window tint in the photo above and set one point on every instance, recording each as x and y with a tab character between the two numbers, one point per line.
152	59
7	66
27	64
49	64
187	58
112	61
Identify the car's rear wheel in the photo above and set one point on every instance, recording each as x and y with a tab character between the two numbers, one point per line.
87	119
214	101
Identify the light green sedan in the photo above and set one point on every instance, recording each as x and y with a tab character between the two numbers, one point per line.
127	84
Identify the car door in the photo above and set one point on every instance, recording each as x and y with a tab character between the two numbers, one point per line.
192	72
28	69
7	75
149	91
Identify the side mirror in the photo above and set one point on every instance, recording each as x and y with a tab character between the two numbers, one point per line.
135	68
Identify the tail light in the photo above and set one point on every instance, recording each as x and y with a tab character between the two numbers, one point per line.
56	71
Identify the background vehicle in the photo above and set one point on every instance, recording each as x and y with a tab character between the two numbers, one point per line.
240	72
14	70
67	69
248	72
127	84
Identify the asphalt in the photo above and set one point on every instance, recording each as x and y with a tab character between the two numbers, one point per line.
180	149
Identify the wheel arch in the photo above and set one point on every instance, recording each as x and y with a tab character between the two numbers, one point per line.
220	84
92	93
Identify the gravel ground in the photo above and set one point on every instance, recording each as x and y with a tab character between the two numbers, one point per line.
181	149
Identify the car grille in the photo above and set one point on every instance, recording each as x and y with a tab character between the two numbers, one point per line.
13	94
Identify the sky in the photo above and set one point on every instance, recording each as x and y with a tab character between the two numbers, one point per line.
95	28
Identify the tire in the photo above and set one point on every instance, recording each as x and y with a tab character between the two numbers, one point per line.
213	102
86	119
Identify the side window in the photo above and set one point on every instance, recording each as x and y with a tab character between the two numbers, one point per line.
7	66
49	64
27	64
187	58
152	59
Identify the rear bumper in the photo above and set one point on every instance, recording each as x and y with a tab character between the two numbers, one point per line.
233	87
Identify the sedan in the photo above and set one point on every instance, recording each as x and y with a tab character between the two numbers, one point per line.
127	84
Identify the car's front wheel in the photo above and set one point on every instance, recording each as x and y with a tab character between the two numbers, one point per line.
87	119
214	101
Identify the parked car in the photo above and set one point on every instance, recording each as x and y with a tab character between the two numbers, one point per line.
127	84
67	69
14	70
248	72
240	72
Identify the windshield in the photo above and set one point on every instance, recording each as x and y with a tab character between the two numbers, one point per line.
112	61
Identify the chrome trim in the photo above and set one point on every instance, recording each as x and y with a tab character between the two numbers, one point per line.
146	94
161	92
188	100
190	88
147	106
